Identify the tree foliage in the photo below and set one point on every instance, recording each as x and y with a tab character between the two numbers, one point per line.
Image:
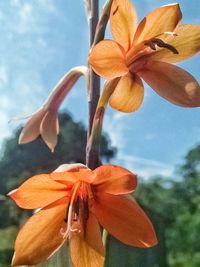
177	201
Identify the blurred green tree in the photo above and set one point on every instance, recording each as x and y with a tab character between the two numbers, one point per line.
183	236
177	201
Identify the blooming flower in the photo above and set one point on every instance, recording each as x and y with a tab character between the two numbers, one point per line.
44	122
73	200
146	52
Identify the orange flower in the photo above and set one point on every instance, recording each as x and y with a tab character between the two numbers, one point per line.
145	52
73	200
44	122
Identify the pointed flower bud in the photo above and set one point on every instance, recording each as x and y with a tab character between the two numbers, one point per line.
44	122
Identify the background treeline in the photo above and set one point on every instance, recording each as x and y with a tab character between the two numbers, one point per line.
173	204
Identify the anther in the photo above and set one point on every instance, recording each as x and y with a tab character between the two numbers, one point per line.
171	33
76	206
160	43
75	218
86	209
115	11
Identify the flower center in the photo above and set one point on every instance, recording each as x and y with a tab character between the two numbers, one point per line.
137	56
160	43
77	211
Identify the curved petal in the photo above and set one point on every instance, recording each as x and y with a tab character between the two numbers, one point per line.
70	177
114	180
123	21
37	192
49	129
41	236
86	249
128	94
186	42
93	234
73	167
32	128
162	19
64	86
173	83
124	219
108	60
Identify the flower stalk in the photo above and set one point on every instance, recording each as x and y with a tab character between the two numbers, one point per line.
102	23
93	84
93	144
96	106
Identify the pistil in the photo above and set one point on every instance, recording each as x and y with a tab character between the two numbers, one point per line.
78	208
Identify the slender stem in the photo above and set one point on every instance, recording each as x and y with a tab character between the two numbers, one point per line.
103	20
93	144
92	159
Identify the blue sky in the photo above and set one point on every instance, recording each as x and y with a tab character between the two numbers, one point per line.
42	40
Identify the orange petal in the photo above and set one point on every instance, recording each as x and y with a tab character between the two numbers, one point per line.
70	177
49	129
108	60
187	43
128	94
41	236
123	21
114	180
32	128
93	234
38	191
173	83
64	86
123	218
86	249
162	19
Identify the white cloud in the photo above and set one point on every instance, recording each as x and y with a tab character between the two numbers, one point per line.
1	15
25	17
4	126
22	88
29	16
16	3
48	5
149	136
144	167
3	76
114	125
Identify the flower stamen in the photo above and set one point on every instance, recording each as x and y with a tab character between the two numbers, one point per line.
152	43
115	11
71	214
